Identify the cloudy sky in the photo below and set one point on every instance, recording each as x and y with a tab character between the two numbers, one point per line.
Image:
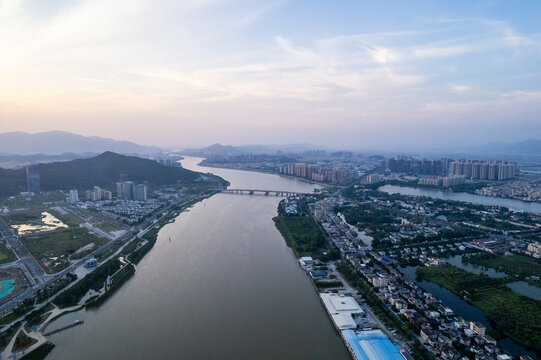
338	73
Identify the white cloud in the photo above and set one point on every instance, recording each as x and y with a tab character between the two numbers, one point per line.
459	89
10	8
120	55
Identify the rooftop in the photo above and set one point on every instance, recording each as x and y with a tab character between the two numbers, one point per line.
371	345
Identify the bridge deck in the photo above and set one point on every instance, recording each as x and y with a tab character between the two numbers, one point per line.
262	191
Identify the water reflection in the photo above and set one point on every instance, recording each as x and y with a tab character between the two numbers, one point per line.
464	310
464	197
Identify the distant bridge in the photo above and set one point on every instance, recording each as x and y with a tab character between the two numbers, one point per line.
263	192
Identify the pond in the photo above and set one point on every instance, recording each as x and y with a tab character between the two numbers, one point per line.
463	309
523	288
6	287
48	222
457	261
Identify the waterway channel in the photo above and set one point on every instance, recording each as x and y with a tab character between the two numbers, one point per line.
220	283
530	207
462	308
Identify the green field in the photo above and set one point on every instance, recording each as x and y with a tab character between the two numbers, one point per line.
27	217
304	235
54	249
23	341
511	314
7	335
30	222
6	255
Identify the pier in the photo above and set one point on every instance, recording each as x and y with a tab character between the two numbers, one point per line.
76	323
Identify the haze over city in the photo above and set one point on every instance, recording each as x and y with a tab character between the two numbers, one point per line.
279	179
350	74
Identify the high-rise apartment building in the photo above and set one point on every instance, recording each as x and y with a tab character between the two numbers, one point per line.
140	192
32	179
483	170
127	190
73	196
453	180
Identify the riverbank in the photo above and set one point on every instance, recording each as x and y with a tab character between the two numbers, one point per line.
510	314
182	295
119	270
271	172
291	233
516	205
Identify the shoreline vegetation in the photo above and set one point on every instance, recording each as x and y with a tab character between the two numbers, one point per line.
133	254
510	314
305	236
295	231
518	266
120	272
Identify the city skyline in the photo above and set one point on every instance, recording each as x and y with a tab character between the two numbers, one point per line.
349	75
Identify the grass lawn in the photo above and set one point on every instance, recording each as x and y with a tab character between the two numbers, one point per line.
6	255
23	341
27	217
511	314
6	336
40	353
53	249
302	234
67	218
30	222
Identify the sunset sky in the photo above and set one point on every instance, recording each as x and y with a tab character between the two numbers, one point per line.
350	74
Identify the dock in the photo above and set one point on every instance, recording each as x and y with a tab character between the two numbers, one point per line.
75	323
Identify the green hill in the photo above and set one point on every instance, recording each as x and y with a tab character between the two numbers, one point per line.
103	170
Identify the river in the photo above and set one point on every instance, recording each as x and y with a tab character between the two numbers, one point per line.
220	283
530	207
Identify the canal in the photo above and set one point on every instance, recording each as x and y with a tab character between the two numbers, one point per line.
220	283
462	308
530	207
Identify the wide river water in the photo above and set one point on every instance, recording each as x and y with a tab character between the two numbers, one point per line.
220	283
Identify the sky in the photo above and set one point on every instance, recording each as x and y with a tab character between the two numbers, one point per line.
351	74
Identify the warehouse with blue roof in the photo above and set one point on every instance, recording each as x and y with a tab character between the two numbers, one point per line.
371	345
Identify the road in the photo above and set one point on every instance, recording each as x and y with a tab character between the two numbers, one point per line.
43	279
25	259
368	310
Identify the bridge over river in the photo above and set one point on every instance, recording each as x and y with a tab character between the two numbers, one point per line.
262	192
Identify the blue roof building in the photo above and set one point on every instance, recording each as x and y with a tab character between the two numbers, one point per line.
371	345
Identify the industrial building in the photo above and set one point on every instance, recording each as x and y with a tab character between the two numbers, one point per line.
341	308
371	345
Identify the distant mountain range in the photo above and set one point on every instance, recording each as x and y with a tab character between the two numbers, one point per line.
103	170
60	142
249	149
17	161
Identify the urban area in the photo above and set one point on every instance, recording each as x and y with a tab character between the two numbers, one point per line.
402	266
